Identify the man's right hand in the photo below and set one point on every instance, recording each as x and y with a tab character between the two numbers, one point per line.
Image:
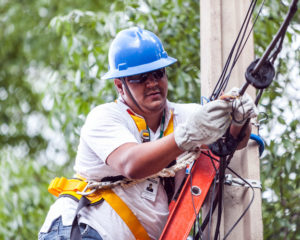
207	124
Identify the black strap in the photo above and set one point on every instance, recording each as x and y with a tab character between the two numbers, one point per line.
75	230
169	184
112	178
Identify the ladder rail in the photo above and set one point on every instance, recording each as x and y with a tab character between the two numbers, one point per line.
182	215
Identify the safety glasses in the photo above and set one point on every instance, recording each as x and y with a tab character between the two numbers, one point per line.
141	78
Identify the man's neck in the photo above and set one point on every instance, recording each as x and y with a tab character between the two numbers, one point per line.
153	120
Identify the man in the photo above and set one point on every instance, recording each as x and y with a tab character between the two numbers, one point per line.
135	137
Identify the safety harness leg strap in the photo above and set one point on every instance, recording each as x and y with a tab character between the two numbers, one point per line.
126	214
75	230
62	188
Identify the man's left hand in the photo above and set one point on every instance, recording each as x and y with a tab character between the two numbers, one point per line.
243	107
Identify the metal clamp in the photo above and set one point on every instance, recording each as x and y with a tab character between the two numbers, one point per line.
229	180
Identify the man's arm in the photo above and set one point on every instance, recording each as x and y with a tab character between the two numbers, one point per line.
136	161
141	160
205	125
235	130
244	109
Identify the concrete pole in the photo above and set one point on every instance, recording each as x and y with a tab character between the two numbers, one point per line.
219	26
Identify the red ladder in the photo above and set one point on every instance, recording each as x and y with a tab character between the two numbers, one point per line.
182	214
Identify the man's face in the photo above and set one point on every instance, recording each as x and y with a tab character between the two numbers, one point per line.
149	90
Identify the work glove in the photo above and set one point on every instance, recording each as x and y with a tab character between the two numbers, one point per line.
243	107
207	124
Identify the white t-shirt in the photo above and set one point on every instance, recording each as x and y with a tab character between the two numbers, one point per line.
107	127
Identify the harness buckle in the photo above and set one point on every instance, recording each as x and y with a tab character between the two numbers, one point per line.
145	135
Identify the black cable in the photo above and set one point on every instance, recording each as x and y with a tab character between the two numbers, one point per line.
240	49
246	20
246	209
195	211
211	207
278	37
222	80
237	54
254	22
222	83
220	174
235	106
224	162
212	158
213	203
220	195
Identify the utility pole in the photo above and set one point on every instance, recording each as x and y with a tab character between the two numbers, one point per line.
219	25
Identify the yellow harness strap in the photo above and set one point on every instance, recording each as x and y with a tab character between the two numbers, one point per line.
69	187
60	187
170	127
142	125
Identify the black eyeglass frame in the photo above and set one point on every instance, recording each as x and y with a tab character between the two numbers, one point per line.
141	78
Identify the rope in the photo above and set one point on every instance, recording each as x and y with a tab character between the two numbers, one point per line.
182	162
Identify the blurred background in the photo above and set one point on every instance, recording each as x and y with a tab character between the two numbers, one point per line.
52	56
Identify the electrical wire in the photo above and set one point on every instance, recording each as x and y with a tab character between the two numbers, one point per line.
212	203
221	86
195	211
239	44
211	206
235	105
223	79
246	209
220	175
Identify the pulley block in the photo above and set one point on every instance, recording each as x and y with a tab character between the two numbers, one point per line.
262	77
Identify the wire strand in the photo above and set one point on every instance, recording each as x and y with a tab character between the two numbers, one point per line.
248	206
195	211
222	79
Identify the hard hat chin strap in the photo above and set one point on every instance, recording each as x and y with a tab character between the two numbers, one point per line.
129	93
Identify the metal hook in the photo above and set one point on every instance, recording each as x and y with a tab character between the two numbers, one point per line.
266	117
84	192
258	123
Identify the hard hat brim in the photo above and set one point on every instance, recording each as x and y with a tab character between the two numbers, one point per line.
161	63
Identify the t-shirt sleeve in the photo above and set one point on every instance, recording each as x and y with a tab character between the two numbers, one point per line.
182	111
105	130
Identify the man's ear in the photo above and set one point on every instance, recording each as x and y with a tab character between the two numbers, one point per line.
119	86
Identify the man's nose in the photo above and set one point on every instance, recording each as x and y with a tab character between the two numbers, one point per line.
151	80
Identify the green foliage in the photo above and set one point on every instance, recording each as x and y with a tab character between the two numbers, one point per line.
281	213
24	199
52	58
85	38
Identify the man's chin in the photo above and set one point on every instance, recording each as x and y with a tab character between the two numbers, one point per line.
155	106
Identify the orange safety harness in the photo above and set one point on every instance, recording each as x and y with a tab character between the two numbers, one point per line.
76	188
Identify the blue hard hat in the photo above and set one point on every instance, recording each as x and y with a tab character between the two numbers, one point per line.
136	51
